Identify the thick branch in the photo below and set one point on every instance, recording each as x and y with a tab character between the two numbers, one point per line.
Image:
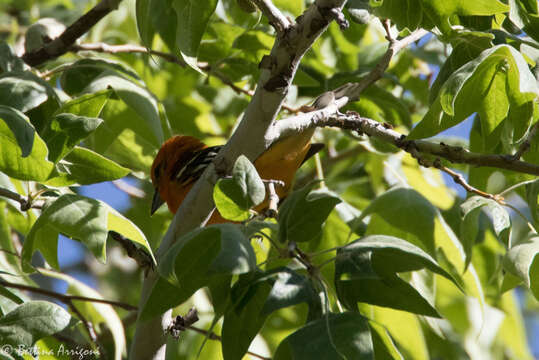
352	121
274	15
277	71
63	43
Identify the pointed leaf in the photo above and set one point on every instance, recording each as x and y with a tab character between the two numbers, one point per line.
65	131
193	17
24	153
83	166
82	219
304	211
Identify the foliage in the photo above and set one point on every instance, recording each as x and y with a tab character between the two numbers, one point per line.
381	260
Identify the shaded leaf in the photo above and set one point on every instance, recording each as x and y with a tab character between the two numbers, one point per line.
244	319
338	336
471	210
365	271
522	261
65	131
83	166
23	90
82	219
303	212
32	321
193	17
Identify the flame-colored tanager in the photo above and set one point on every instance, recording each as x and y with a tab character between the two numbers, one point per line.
182	160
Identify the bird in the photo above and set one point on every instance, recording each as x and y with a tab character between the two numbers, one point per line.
182	159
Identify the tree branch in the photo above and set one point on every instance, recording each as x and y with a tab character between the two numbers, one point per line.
66	298
353	121
277	71
353	90
25	203
274	15
64	42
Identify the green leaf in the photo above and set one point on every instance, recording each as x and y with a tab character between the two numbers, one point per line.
215	250
289	288
9	62
32	321
404	213
65	131
234	197
441	11
83	166
144	21
82	219
89	105
82	72
195	260
23	90
382	106
122	139
229	200
244	319
136	97
366	271
524	14
24	153
192	19
246	176
303	212
467	45
383	344
471	210
497	85
94	312
532	198
338	336
405	14
522	261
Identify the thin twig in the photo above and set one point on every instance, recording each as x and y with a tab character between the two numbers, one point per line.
273	201
25	203
89	327
353	90
459	179
525	146
66	298
126	48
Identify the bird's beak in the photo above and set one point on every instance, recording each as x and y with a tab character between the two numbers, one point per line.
157	201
